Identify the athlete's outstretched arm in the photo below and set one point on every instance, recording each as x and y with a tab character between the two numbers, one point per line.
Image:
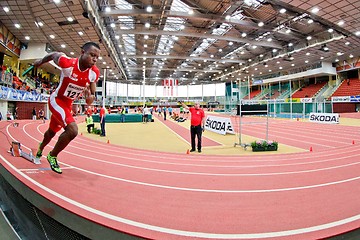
51	56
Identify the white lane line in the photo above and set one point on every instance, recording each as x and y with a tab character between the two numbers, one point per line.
217	174
211	174
181	232
220	166
208	158
41	169
216	190
224	158
207	190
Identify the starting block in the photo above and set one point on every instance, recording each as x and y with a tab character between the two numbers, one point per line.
16	151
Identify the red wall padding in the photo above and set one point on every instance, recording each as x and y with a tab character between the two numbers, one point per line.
25	109
344	107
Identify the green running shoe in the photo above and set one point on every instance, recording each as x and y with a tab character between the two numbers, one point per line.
39	152
53	163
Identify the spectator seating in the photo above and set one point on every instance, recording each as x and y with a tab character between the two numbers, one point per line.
252	94
349	87
274	94
309	91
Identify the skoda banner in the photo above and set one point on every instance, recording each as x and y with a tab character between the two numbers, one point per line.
219	125
332	118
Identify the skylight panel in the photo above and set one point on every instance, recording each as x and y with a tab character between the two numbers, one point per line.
126	23
121	4
220	31
179	6
173	24
238	15
129	43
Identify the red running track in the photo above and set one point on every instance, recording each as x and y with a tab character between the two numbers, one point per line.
156	195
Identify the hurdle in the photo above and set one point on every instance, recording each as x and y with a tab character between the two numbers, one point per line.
254	107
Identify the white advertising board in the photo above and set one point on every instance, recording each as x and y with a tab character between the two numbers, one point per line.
219	125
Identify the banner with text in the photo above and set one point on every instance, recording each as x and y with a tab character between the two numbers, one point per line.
219	125
329	118
20	95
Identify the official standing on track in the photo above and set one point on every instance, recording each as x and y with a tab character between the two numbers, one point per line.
197	125
102	121
78	75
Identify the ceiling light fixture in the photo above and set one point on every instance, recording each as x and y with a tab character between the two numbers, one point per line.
315	10
149	9
324	48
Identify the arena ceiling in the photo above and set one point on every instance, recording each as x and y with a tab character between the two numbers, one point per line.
194	41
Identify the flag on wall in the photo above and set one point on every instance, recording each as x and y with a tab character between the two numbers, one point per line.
170	87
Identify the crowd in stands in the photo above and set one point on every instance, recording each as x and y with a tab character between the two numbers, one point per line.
35	84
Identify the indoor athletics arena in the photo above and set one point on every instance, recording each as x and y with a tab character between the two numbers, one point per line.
270	87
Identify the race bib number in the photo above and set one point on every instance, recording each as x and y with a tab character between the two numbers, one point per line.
73	91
